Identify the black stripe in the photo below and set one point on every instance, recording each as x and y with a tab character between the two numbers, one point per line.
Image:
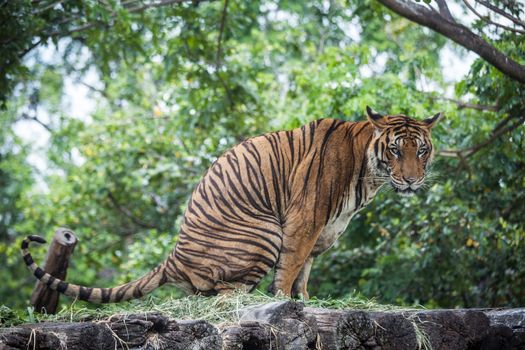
121	292
28	259
39	273
84	293
359	184
308	172
289	135
106	294
37	239
62	286
137	292
303	134
50	280
329	209
312	132
276	190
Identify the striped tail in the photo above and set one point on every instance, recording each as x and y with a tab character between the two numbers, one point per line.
131	290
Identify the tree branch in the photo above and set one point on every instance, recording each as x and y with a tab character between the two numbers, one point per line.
221	31
501	12
468	105
444	11
498	131
489	21
94	89
218	56
26	116
23	53
459	34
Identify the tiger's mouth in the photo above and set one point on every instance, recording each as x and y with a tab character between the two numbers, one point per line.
405	188
407	192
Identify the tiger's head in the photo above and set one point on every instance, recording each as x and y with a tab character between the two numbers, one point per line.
401	149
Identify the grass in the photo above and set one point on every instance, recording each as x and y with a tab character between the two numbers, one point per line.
215	310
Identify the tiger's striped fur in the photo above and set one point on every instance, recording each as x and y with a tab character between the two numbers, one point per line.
277	201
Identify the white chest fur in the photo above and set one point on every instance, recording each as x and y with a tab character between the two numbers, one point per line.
337	225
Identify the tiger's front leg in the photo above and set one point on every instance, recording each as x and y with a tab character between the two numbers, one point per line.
293	266
299	288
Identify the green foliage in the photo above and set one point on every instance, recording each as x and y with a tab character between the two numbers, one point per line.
168	102
15	179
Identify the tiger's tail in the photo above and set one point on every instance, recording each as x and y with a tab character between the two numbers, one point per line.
131	290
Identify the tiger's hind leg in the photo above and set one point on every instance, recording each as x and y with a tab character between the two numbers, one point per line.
290	266
226	258
299	237
299	287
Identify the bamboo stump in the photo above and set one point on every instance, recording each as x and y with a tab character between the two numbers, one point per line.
43	298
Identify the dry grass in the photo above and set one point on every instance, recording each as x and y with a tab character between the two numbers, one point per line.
212	309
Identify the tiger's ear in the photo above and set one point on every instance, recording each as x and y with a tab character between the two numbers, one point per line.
431	122
378	120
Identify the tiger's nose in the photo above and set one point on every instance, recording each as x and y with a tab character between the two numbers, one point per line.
410	179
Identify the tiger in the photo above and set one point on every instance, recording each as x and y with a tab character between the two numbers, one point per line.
276	202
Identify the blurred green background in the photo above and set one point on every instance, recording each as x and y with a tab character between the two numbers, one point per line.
112	111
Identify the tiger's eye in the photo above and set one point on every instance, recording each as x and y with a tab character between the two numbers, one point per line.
422	151
394	150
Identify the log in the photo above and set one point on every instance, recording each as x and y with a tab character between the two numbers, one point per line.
514	318
452	329
140	331
336	328
44	299
285	325
350	329
441	329
278	325
508	328
249	335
